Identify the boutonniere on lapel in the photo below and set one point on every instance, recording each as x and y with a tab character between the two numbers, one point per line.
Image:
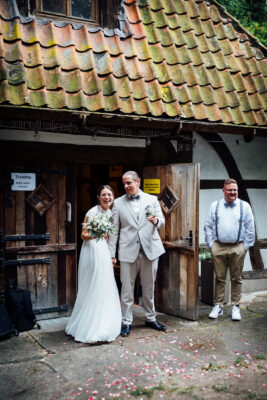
149	211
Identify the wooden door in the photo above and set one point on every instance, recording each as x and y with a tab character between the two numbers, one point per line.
176	290
52	280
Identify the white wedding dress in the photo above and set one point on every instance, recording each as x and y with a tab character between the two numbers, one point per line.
96	316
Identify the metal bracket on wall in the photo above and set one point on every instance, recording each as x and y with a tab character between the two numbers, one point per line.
15	238
6	263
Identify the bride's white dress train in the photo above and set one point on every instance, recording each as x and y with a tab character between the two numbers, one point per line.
96	316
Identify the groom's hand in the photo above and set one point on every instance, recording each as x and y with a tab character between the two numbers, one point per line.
114	261
154	220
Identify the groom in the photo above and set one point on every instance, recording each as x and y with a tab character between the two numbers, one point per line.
137	217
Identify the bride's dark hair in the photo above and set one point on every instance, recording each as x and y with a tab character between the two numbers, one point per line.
100	190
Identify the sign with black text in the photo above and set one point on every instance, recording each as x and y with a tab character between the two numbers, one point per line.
23	181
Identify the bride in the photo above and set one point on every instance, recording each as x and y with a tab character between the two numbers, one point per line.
96	316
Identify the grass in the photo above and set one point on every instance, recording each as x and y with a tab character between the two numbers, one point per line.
246	395
187	390
140	391
211	367
260	357
221	388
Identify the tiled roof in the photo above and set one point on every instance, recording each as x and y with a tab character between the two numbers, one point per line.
179	58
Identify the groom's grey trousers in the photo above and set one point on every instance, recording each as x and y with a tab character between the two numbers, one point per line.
128	274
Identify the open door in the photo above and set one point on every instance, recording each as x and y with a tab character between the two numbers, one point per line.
176	290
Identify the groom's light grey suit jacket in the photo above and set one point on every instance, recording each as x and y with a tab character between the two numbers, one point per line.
134	232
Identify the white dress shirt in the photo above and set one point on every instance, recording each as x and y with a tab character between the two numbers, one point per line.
228	224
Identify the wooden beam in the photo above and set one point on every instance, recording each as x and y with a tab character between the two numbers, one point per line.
50	248
8	112
263	243
254	274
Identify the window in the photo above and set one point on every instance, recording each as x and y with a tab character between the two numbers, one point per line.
77	10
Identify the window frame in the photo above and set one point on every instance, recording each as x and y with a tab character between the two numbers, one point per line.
95	19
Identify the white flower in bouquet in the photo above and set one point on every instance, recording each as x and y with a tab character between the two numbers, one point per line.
149	211
99	226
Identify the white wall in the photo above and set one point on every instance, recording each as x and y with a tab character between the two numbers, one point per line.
252	164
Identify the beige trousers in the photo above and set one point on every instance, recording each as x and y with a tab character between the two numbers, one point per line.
128	274
224	256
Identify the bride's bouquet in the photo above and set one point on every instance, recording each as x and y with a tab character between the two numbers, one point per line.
99	226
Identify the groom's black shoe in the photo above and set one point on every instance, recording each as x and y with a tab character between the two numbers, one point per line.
125	330
156	325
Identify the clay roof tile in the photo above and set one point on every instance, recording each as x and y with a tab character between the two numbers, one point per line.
138	30
34	77
147	70
118	66
213	113
142	106
37	98
74	101
192	9
157	108
237	116
56	98
214	13
172	109
177	36
160	19
173	21
133	13
72	80
165	36
169	6
260	84
123	87
138	89
197	26
162	72
126	105
203	10
111	103
157	52
102	63
151	33
94	102
133	68
142	49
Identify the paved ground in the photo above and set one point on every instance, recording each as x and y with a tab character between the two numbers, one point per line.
194	360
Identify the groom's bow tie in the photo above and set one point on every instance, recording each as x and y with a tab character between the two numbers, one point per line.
230	205
137	197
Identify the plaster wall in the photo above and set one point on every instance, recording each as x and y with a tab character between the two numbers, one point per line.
252	164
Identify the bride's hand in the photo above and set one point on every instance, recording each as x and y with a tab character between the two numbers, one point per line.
86	235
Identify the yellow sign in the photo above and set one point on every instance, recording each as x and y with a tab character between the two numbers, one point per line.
152	186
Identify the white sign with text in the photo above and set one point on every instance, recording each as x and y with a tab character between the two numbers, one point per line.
23	181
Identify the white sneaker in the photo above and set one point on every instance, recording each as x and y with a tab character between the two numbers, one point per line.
216	312
236	316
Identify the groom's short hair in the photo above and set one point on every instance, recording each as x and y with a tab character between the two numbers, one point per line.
133	174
